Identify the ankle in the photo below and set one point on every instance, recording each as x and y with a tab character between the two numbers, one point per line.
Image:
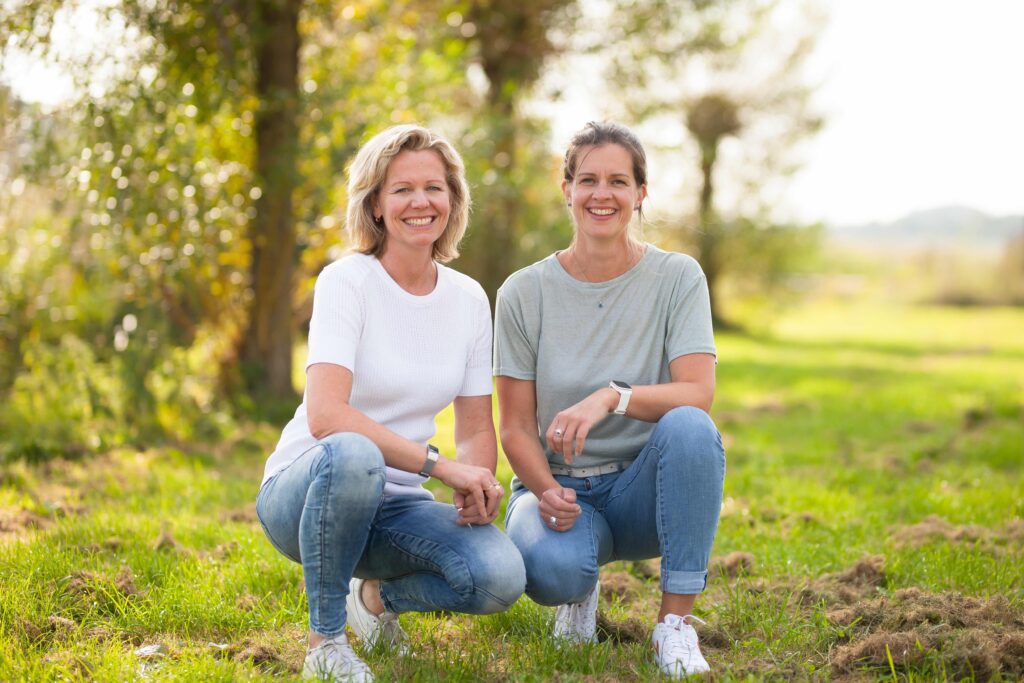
369	594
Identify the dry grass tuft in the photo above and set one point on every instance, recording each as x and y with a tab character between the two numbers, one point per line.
969	635
630	630
623	585
732	565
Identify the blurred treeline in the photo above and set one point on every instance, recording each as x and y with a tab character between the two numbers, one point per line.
161	230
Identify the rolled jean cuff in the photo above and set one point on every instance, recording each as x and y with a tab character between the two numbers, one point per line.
683	583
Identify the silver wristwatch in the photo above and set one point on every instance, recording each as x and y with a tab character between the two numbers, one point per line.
432	456
625	393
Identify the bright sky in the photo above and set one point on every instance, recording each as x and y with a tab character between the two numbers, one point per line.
924	100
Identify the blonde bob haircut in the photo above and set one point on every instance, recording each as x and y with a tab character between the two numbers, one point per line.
366	175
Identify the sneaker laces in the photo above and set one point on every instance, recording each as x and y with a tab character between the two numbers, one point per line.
682	641
339	650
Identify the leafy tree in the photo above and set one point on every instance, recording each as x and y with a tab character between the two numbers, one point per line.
207	149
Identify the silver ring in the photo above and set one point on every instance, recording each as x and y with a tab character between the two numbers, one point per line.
495	485
553	521
558	432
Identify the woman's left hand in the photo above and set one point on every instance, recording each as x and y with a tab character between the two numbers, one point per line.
469	511
569	429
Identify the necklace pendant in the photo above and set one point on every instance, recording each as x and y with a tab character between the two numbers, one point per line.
600	304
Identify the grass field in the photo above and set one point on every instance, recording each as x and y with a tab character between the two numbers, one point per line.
873	528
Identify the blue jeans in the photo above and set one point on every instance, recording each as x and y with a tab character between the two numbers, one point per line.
666	503
327	511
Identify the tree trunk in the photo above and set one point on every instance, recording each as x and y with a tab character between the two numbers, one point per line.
500	248
710	232
266	347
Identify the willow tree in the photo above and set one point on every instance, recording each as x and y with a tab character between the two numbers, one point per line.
731	75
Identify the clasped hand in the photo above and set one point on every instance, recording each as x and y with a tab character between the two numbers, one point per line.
476	493
558	508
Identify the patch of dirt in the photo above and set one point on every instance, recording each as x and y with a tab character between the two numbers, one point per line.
165	542
247	602
245	515
75	664
61	626
971	636
125	582
629	630
732	565
648	570
30	631
225	550
621	584
84	583
81	583
261	654
17	523
860	581
935	528
975	417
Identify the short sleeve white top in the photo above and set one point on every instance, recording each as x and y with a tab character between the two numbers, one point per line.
409	355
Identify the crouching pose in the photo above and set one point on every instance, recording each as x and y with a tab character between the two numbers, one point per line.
606	370
394	338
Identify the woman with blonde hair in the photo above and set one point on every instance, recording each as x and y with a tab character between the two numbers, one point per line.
395	337
605	361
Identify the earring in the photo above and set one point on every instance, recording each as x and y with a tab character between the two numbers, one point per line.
568	203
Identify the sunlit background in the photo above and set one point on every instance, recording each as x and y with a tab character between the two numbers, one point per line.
800	150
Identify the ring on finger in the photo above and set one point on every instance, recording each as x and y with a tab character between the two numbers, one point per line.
558	433
553	521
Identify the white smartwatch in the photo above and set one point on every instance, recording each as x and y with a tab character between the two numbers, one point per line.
625	393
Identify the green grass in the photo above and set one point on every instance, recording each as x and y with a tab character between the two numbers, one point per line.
844	428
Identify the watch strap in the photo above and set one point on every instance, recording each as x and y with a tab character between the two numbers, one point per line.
428	465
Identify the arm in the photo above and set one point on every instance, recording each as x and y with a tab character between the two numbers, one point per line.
328	388
475	444
693	384
517	403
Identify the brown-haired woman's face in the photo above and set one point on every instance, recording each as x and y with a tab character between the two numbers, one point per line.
603	193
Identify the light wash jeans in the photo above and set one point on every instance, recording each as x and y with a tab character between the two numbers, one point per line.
666	503
327	511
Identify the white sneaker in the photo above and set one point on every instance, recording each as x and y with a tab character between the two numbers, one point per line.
334	660
676	649
372	628
576	622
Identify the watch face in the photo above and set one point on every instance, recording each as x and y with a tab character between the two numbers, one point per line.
618	384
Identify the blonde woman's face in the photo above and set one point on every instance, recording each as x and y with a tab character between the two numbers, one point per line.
414	201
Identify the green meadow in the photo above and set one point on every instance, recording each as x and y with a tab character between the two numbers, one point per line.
872	529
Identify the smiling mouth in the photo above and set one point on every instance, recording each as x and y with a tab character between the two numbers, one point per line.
601	211
419	222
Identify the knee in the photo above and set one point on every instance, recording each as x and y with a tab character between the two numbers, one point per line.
693	430
352	461
499	583
556	579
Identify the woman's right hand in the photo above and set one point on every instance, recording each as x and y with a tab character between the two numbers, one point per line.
558	508
477	487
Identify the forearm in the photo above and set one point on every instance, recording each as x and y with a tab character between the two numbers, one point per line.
650	403
399	452
478	449
527	459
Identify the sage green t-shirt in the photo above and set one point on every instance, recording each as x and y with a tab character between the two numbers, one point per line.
571	338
